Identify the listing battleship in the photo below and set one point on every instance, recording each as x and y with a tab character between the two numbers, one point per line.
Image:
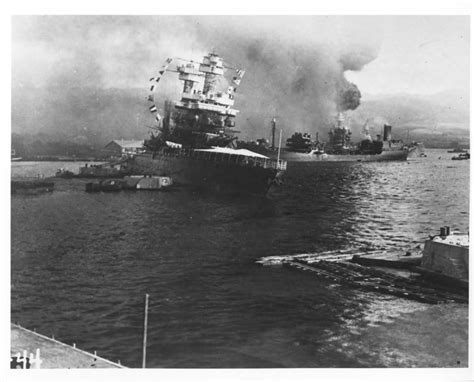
193	141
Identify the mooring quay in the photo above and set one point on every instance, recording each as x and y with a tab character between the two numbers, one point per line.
439	274
30	350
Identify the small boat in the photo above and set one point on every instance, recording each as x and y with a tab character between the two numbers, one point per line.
31	186
462	156
134	182
140	182
105	170
108	185
14	157
63	173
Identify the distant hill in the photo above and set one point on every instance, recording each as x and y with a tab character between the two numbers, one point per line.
85	115
439	120
92	117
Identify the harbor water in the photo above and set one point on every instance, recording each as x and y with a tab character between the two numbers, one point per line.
81	264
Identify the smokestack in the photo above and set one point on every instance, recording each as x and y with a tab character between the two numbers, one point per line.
340	120
387	132
442	232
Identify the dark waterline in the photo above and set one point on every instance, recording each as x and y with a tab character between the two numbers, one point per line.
81	263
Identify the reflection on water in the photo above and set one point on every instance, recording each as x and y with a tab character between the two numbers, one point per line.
81	262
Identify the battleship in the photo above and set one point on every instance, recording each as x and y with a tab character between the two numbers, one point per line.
193	143
339	148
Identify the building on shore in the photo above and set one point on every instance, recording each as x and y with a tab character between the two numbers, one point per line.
121	147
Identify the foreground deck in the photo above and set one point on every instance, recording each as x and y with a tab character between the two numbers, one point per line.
52	353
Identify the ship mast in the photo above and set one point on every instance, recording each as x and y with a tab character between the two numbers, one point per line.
273	132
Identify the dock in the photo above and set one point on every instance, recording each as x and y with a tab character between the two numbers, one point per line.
405	284
32	350
438	274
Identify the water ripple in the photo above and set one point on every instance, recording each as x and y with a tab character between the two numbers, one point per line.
81	263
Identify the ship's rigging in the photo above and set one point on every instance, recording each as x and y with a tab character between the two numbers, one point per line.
204	116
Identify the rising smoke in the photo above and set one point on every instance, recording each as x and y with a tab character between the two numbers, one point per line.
348	96
294	65
295	69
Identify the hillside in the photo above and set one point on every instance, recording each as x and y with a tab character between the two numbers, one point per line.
91	117
438	120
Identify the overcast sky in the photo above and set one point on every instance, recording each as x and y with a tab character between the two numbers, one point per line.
422	54
413	54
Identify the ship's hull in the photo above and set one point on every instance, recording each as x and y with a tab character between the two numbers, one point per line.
225	177
389	155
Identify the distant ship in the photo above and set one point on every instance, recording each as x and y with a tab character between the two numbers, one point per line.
339	148
416	150
457	150
462	156
14	157
193	143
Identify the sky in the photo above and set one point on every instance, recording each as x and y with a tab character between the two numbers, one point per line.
77	73
418	54
413	54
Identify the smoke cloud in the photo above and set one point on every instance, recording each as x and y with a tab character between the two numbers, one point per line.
294	66
348	97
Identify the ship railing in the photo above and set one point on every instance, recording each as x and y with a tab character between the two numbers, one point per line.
237	159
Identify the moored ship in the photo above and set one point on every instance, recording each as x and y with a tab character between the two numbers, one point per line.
416	150
462	156
457	150
339	148
193	141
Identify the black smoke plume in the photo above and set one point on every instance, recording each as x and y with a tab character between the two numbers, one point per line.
348	97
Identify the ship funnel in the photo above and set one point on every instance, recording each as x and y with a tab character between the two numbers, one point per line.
340	120
387	132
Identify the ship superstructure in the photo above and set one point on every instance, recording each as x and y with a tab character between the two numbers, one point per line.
339	137
204	116
195	135
340	140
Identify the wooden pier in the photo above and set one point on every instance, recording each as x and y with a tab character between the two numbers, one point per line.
32	350
375	279
379	271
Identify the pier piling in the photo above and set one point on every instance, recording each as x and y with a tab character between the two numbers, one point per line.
145	328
